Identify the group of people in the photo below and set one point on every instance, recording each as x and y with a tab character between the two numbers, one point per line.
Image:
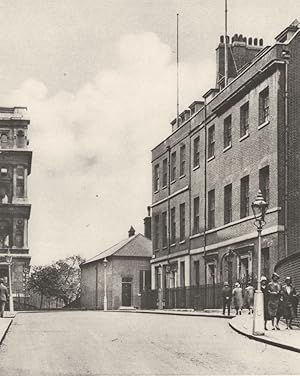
236	295
279	301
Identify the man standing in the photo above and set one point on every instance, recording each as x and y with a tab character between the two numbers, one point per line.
3	296
226	295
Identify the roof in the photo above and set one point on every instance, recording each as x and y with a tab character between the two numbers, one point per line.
135	246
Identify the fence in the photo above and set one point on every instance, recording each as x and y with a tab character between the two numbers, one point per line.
195	297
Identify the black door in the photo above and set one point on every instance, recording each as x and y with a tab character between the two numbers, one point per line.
126	294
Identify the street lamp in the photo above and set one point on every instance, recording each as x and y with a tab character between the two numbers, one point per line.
259	207
105	292
8	259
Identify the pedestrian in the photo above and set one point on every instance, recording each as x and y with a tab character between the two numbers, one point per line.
3	297
290	301
226	296
249	297
274	299
264	289
237	294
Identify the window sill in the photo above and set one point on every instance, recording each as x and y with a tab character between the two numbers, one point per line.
173	245
182	242
263	124
227	148
164	187
196	167
156	250
244	137
182	176
156	191
173	181
165	247
211	158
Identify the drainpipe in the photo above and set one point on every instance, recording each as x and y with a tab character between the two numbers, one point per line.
190	212
286	57
205	196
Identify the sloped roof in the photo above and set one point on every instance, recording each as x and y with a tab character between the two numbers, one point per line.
135	246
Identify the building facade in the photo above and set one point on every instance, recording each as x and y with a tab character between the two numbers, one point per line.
244	136
15	167
125	271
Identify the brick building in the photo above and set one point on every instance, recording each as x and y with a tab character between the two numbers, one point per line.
243	136
127	271
15	167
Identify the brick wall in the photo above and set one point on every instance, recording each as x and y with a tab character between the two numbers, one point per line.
289	267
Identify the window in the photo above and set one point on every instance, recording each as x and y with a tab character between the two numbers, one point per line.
182	274
196	228
182	221
244	197
211	209
264	182
173	226
173	166
196	161
145	280
164	229
157	278
3	172
156	177
244	120
182	160
211	141
228	204
20	182
227	132
197	272
165	173
264	106
156	232
265	262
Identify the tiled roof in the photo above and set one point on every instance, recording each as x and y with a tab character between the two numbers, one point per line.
135	246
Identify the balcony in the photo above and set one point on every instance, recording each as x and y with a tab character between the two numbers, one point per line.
13	113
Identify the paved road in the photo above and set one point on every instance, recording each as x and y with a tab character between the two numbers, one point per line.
113	343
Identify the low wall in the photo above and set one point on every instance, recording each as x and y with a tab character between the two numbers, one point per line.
290	267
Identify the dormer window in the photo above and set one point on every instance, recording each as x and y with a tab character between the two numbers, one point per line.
20	138
4	139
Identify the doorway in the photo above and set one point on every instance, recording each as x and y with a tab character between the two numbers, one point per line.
126	291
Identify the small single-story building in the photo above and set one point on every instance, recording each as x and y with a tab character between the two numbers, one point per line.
125	270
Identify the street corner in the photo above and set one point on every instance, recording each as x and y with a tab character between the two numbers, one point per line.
283	338
4	326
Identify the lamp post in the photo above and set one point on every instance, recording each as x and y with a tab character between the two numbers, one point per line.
105	292
259	207
8	259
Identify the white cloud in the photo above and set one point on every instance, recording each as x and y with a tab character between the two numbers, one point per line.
97	141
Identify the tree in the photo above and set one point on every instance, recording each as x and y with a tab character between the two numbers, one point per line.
69	278
44	281
60	279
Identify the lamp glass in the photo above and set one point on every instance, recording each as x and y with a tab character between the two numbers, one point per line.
259	207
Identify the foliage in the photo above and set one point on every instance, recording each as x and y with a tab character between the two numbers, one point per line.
60	279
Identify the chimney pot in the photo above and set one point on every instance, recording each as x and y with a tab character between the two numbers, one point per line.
245	40
131	232
261	42
240	37
250	41
255	41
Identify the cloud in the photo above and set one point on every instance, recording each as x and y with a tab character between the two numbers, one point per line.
97	141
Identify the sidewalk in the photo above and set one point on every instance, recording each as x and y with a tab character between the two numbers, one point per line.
286	339
181	312
5	324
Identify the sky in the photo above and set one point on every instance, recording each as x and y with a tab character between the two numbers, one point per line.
99	80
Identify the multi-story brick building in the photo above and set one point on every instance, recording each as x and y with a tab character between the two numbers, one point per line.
15	167
243	137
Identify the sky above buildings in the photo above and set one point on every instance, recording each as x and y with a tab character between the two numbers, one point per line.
99	80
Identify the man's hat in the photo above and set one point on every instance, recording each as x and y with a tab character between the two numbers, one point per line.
288	279
1	280
226	284
263	278
275	275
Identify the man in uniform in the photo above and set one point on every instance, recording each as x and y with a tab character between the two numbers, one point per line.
3	297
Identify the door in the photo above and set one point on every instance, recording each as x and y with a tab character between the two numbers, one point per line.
126	291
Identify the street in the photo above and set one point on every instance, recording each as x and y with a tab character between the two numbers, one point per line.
120	343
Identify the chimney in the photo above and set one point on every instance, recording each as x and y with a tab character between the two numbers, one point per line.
131	232
147	225
241	51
